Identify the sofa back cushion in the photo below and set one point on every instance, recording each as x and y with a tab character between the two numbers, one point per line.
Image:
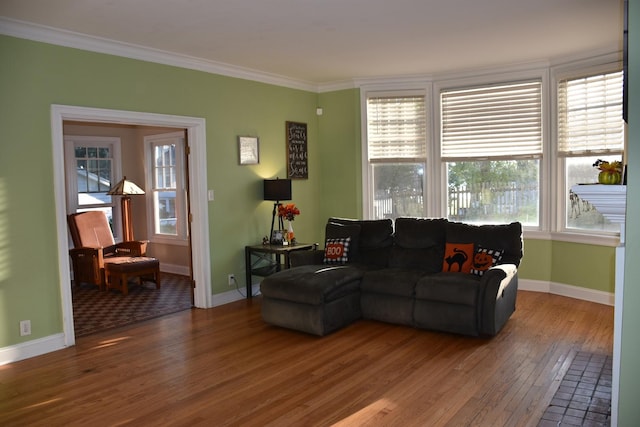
504	237
375	240
418	244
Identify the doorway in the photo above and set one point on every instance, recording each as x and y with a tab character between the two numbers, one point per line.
98	155
197	193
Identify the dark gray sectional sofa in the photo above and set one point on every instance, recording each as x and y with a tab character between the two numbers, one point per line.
404	273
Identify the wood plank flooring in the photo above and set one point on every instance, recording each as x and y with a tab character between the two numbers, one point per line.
224	366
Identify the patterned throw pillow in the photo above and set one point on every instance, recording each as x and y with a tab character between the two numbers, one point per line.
458	257
336	251
484	259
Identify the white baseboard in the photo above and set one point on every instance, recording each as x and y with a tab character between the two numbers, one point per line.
570	291
232	296
174	269
31	348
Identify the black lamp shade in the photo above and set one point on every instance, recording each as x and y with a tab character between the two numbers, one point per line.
277	189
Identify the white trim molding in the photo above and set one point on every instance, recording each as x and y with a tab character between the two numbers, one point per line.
196	133
591	295
56	36
33	348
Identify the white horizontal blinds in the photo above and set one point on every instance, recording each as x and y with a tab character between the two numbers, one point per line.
590	115
396	127
501	121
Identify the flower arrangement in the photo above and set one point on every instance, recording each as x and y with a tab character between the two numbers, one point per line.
288	211
603	165
610	172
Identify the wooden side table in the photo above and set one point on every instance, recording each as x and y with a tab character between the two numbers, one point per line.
269	259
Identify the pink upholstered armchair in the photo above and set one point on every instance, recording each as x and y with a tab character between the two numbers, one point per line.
94	246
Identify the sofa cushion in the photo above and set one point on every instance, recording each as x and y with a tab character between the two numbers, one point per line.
336	251
484	259
507	237
418	243
452	288
458	257
376	240
312	284
391	281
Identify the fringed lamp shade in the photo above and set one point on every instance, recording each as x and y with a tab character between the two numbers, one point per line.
125	188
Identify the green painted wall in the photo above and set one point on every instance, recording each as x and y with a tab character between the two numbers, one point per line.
587	266
536	263
628	408
35	75
341	154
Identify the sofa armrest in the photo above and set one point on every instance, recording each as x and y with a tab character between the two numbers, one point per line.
86	252
312	257
498	296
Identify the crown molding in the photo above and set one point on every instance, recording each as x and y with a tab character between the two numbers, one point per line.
56	36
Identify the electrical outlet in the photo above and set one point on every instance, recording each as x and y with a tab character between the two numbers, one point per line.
25	327
231	279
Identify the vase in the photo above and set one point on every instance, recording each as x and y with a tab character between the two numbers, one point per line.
290	235
609	177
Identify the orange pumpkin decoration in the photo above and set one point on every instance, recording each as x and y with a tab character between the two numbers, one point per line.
482	261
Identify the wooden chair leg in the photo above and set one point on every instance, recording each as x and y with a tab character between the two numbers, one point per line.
124	284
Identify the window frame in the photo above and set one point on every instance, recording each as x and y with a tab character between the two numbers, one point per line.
510	85
150	142
115	144
422	89
559	230
551	176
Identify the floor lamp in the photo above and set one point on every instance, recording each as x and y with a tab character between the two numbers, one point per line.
125	189
276	190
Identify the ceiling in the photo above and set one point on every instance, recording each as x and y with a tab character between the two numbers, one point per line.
320	42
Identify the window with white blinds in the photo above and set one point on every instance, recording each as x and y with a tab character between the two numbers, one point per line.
590	115
396	127
493	122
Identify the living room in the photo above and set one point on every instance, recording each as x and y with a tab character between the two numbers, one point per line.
41	74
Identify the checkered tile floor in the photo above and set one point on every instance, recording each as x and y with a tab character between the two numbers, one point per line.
584	395
95	310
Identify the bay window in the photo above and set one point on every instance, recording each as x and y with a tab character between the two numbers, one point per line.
498	149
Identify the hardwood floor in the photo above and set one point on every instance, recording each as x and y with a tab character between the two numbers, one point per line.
224	366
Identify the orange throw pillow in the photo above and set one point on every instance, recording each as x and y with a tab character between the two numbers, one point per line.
458	257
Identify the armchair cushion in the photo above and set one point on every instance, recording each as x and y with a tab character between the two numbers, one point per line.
90	229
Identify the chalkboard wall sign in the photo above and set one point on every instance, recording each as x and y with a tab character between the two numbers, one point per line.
297	162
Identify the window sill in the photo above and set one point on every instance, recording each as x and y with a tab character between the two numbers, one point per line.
611	240
169	241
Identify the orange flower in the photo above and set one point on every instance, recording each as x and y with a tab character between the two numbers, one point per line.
288	211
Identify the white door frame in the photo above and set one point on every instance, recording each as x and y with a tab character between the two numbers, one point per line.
196	132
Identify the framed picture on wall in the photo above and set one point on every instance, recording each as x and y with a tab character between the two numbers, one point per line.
297	156
248	150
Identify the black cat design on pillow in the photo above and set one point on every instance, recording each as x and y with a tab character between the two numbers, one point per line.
459	257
